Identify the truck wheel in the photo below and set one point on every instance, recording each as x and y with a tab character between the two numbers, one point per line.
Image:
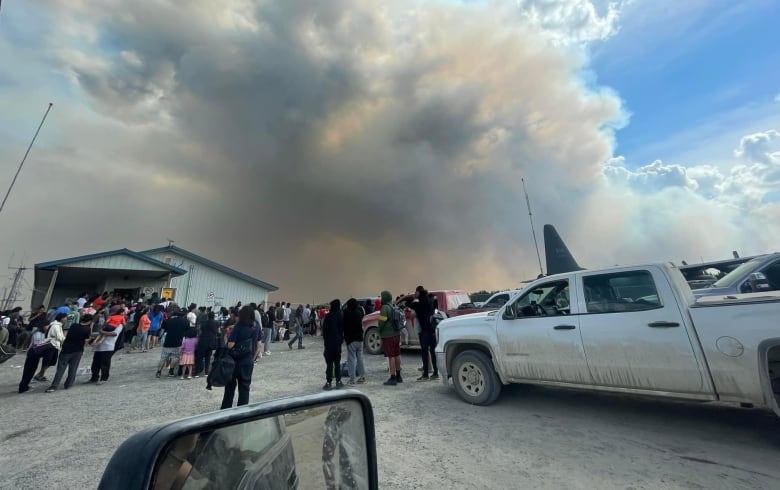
373	341
475	379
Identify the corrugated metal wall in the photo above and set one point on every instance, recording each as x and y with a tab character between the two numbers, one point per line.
116	262
201	279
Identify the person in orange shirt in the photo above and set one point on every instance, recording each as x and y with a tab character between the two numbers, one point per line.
142	332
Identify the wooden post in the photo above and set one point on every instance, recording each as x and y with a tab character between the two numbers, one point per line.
47	298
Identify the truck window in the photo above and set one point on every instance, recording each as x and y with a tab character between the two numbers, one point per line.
455	300
620	291
497	301
548	299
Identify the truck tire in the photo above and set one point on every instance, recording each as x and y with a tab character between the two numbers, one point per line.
475	379
372	341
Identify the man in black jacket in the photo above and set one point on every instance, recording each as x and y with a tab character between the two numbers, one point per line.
424	310
333	336
353	336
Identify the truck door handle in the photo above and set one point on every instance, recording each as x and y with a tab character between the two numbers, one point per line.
564	327
663	324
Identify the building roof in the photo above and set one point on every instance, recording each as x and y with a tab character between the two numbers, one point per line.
213	265
123	251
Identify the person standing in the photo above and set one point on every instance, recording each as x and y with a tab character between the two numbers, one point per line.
143	323
333	337
72	350
305	317
101	357
423	309
287	313
175	327
156	318
241	344
391	338
265	319
297	318
353	336
207	343
192	317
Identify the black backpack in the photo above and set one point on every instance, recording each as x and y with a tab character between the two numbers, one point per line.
221	372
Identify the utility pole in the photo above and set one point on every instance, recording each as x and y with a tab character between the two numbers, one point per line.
10	298
2	205
533	231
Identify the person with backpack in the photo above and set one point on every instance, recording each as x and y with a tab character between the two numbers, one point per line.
424	310
390	332
268	329
353	336
241	347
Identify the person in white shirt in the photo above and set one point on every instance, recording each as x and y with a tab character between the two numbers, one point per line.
54	336
191	316
101	358
81	301
287	312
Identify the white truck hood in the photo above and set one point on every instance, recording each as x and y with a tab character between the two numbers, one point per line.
487	316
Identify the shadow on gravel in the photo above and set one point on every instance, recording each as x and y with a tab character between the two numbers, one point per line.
692	419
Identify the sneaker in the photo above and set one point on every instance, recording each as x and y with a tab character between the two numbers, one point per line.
40	378
171	375
267	353
339	384
51	389
398	377
189	377
351	382
158	374
290	346
91	380
182	377
327	386
391	382
196	376
434	377
301	347
423	378
361	381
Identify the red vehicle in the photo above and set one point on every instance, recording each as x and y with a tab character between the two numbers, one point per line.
449	301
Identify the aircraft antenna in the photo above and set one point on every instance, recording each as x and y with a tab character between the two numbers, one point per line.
533	231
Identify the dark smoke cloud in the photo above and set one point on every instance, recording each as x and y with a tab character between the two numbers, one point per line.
334	147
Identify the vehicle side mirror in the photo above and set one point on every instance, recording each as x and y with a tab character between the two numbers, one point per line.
509	313
316	441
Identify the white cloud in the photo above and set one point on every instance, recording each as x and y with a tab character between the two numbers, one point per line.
573	21
777	98
755	148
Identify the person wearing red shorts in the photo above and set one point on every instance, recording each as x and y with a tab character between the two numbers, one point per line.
391	339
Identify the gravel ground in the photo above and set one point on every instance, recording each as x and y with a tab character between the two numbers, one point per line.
426	437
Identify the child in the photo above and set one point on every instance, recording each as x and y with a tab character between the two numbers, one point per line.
187	358
115	319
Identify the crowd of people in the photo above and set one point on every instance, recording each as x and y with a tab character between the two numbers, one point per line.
192	339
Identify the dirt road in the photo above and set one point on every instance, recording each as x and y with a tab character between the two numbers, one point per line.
427	437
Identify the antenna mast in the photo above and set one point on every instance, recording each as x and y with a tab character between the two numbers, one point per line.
533	231
10	298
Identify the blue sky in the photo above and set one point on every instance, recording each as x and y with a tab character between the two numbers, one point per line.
679	69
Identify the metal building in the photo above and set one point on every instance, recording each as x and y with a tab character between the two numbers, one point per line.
169	271
209	283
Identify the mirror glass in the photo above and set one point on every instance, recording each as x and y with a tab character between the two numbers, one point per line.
319	447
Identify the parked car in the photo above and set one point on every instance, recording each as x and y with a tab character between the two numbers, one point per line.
449	300
759	274
627	329
494	302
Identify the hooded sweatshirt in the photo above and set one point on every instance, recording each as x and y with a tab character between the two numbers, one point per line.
333	328
386	329
353	323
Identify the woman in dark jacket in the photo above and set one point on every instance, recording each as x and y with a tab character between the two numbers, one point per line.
207	343
333	336
353	337
242	344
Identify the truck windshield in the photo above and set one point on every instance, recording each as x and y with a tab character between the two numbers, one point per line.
734	276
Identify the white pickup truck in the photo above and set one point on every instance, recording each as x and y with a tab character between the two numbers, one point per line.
627	329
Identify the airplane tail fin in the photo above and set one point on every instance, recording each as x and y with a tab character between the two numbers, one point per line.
559	259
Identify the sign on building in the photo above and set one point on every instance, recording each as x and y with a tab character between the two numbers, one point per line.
148	291
211	295
168	294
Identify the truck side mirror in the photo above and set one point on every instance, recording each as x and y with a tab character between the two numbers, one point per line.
316	441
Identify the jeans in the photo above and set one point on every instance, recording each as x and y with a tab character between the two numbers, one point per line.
69	362
267	338
298	336
332	363
355	360
140	339
428	343
101	365
242	378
